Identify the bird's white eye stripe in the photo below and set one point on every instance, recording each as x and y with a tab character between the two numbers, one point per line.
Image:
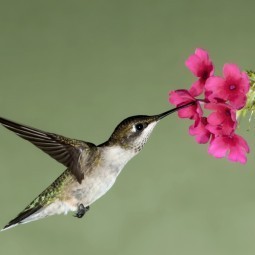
139	127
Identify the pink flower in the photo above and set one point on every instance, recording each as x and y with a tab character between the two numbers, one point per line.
223	97
181	97
223	120
233	87
234	147
199	130
200	64
202	67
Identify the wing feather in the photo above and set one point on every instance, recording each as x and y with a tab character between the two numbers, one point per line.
65	150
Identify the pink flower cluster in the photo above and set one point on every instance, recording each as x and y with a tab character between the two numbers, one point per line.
223	96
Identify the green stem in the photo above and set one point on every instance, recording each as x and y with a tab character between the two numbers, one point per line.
250	103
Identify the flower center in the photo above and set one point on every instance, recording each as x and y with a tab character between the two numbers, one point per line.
205	75
227	112
232	87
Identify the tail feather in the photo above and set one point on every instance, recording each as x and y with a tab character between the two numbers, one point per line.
46	204
21	217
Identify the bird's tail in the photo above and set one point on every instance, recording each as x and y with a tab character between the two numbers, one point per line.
46	204
24	217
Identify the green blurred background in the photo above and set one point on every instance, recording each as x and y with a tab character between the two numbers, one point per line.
78	68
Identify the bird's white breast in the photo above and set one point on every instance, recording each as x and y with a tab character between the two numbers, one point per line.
103	176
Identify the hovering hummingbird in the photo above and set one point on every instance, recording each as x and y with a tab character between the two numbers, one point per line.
91	170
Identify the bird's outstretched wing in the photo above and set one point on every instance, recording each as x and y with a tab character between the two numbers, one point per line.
65	150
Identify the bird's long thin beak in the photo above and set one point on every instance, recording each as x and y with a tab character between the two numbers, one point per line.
164	114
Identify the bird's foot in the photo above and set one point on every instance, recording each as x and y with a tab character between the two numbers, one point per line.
81	211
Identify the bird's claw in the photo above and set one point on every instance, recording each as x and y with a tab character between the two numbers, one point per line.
81	211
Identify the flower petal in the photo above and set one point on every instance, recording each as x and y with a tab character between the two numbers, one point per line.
177	97
218	148
245	83
202	54
194	64
198	129
232	71
223	120
215	89
237	155
214	119
197	88
238	101
191	112
238	149
200	64
242	142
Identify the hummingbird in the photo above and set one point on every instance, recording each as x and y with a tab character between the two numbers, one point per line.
91	169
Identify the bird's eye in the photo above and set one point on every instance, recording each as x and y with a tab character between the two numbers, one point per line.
139	127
